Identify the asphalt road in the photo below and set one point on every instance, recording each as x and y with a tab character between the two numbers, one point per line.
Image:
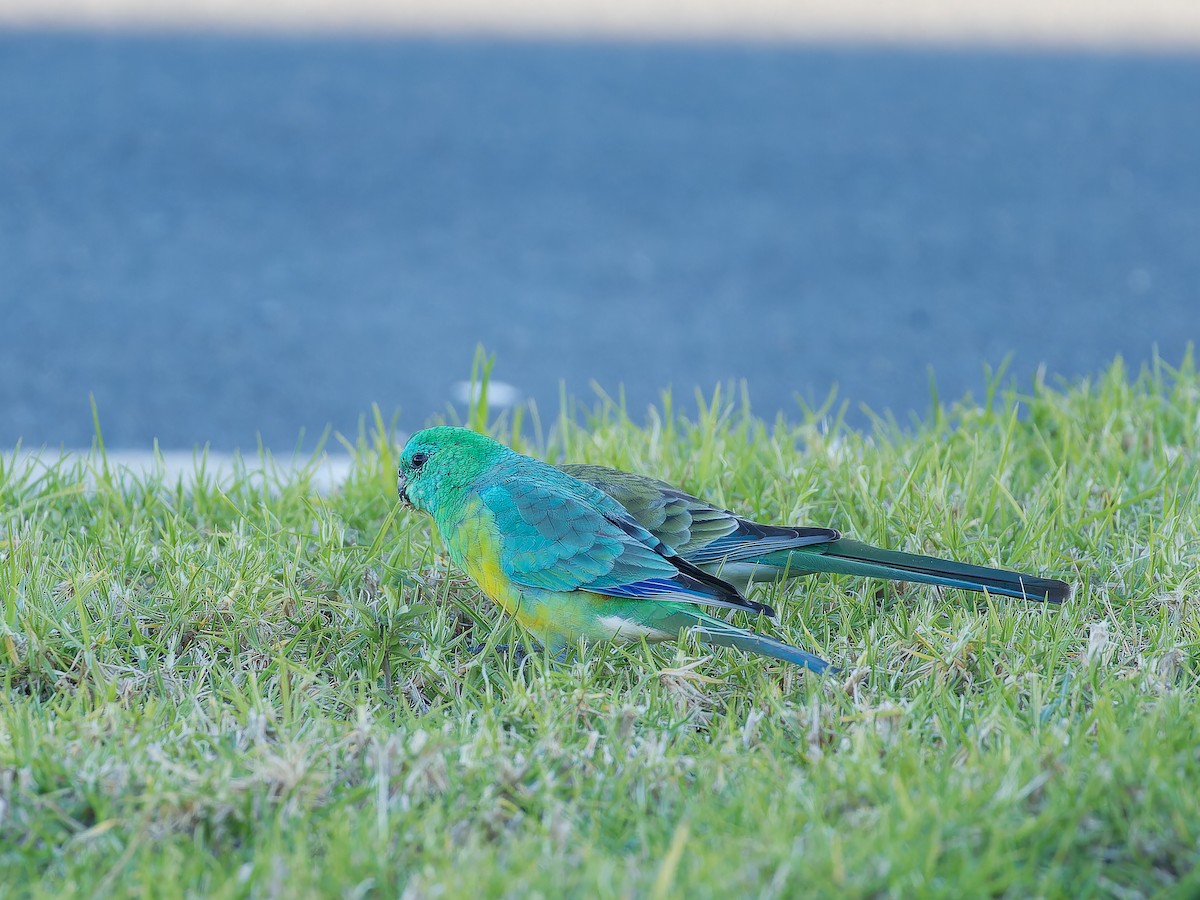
224	238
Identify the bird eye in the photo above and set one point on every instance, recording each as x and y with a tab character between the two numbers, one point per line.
418	459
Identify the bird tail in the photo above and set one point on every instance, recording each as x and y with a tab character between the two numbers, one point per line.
849	557
711	630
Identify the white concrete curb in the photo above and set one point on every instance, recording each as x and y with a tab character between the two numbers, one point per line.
172	466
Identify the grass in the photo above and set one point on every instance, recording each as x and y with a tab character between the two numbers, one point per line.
248	689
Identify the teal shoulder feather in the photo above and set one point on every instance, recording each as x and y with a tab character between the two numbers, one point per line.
560	534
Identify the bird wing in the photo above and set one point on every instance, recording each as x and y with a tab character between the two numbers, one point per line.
700	532
558	538
680	521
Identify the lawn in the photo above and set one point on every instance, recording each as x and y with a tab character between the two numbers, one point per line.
241	687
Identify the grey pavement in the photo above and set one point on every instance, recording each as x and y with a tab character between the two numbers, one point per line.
227	239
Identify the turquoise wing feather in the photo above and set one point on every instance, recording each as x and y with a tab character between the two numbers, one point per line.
550	542
553	538
670	515
744	551
700	532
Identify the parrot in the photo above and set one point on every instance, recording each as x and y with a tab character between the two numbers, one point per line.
742	552
565	559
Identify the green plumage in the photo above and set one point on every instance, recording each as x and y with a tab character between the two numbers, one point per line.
587	552
564	558
743	552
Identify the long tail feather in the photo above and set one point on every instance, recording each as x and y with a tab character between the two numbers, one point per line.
711	630
849	557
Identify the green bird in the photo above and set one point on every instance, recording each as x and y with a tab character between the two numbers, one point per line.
743	552
562	557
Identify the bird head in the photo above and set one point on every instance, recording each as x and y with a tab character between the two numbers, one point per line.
439	463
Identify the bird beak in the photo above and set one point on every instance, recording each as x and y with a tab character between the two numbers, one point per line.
402	487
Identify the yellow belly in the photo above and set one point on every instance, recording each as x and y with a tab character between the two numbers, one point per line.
477	552
556	618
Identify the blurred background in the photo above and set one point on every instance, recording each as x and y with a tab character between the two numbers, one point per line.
233	221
